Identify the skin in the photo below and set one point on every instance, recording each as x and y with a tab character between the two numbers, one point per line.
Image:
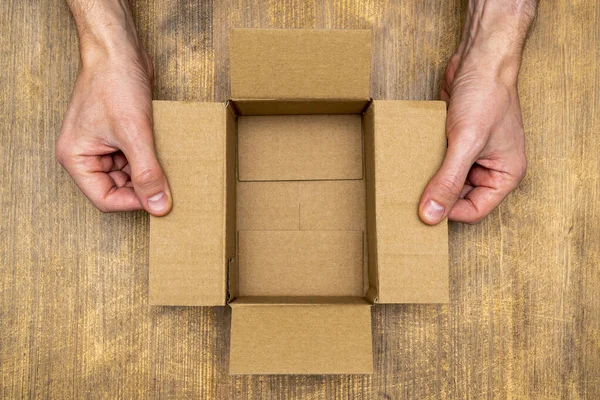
485	159
106	142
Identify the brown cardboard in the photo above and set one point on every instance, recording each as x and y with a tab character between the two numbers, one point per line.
299	147
268	206
300	339
300	263
372	256
301	205
411	258
189	246
299	107
299	300
300	64
231	201
296	203
332	205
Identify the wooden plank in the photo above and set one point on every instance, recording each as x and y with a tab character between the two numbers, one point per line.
524	318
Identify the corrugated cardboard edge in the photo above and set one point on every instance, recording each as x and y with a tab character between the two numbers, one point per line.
369	165
230	229
298	300
307	106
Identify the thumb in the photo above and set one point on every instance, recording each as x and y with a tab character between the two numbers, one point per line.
443	190
148	178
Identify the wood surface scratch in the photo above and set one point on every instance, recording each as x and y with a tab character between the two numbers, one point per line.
524	317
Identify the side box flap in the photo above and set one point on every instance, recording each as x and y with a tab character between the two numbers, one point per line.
408	142
190	247
301	339
300	64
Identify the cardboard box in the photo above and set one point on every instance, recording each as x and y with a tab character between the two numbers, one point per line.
295	203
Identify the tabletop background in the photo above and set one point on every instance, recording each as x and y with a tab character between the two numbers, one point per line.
524	313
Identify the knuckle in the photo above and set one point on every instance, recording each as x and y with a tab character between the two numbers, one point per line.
521	172
473	221
102	207
99	202
61	151
148	178
448	188
516	176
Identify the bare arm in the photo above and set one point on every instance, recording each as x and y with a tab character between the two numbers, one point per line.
485	159
106	141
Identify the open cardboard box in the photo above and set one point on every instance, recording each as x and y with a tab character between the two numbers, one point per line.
295	203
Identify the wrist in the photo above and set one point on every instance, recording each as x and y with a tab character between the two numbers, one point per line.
495	34
105	30
500	67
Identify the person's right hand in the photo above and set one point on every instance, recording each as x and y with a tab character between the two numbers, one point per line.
485	159
106	141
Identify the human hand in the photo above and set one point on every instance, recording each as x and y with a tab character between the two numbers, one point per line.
485	158
106	141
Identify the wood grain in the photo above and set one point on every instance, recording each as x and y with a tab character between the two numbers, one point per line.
524	317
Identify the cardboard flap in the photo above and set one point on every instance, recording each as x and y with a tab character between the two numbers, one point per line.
299	107
300	64
405	143
299	300
301	339
190	247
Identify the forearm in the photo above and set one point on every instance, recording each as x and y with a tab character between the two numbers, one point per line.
103	26
496	30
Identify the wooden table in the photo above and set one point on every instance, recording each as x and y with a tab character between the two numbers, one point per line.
524	317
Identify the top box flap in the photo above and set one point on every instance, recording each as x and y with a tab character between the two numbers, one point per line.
406	142
189	247
300	64
301	339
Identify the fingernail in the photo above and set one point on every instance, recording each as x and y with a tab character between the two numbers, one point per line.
158	203
433	211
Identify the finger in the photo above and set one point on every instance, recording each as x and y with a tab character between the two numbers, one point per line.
100	187
490	188
127	169
114	198
481	176
477	204
149	181
444	189
120	161
465	190
120	178
112	162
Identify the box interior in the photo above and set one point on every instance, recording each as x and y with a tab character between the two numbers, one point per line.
300	202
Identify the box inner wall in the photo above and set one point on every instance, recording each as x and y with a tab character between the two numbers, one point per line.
301	206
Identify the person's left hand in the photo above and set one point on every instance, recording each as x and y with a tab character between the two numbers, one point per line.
106	141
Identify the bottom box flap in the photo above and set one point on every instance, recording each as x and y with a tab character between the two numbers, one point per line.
301	339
